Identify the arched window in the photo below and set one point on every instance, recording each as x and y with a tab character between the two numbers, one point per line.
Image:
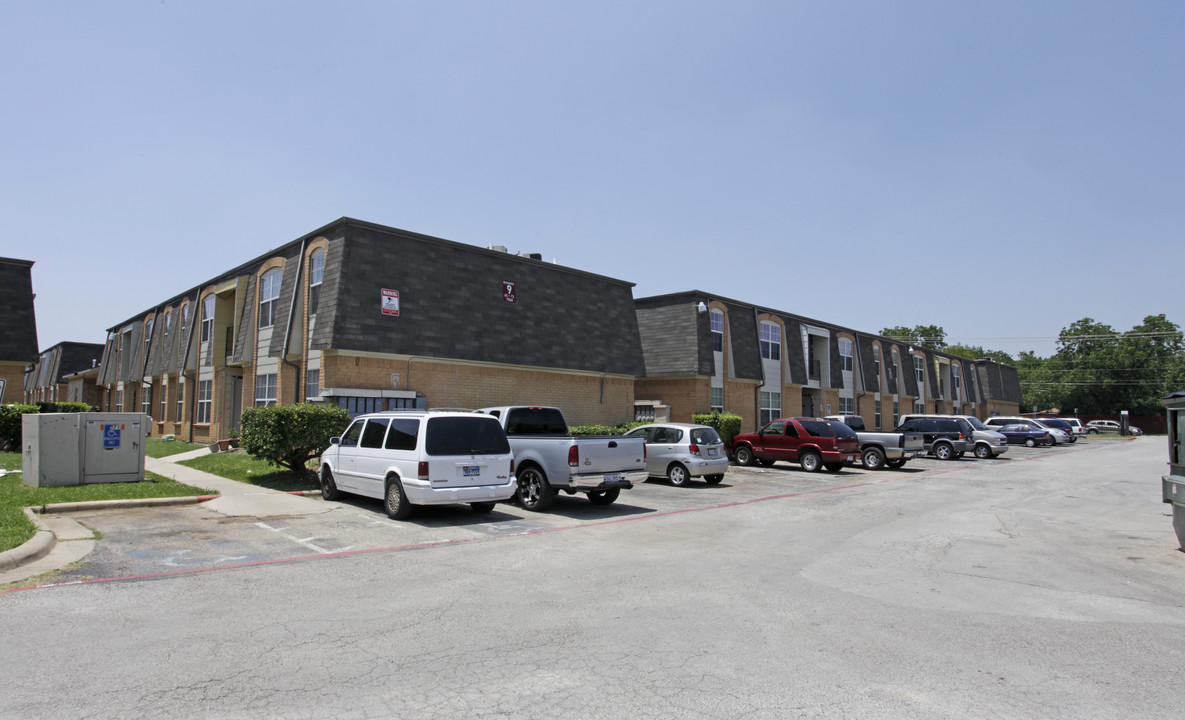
269	295
876	361
771	340
718	330
208	317
845	354
316	273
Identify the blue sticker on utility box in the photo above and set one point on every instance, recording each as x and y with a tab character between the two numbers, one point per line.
111	435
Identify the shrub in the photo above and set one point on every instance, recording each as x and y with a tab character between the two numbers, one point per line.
10	425
618	429
288	436
726	425
70	407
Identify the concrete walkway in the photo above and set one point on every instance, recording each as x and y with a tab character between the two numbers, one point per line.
60	540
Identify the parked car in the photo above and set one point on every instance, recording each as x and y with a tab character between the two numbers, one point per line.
420	457
878	449
1024	434
811	442
1077	426
1060	436
1062	425
946	438
680	451
986	443
1110	426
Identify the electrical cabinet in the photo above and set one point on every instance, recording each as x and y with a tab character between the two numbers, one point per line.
81	448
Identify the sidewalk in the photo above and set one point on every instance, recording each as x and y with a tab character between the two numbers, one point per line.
60	540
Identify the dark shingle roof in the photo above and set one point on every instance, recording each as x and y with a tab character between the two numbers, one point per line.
18	320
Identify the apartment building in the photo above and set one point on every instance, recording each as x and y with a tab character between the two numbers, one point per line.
18	327
368	317
48	380
705	352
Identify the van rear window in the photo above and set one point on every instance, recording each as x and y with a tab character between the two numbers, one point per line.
478	435
536	421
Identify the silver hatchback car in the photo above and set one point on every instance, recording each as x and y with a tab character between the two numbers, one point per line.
679	451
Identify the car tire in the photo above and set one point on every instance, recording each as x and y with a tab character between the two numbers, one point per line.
604	497
714	479
534	492
833	466
896	464
483	508
983	452
810	461
395	500
329	489
744	455
677	474
944	451
1030	442
873	458
765	462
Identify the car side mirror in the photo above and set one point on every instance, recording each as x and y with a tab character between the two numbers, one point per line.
335	441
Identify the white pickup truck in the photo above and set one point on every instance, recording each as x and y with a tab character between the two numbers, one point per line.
547	459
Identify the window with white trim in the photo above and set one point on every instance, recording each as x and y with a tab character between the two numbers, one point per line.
205	393
269	295
316	274
119	401
919	369
876	363
208	318
164	392
180	400
312	385
771	341
718	399
896	413
146	400
956	382
265	390
718	330
847	405
893	365
845	354
877	414
771	407
148	325
919	406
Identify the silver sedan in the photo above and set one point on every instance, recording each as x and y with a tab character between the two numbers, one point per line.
680	451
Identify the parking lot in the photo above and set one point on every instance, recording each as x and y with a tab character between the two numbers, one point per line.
1045	583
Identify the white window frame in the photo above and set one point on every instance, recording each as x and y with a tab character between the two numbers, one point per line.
847	405
269	296
919	370
876	362
919	406
205	401
717	401
316	276
845	358
265	390
771	340
207	330
717	323
312	384
956	382
877	413
180	400
146	399
771	407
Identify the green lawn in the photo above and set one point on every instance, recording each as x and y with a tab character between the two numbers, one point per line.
238	465
157	448
15	528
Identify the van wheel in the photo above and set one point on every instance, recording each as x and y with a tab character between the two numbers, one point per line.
395	501
329	489
482	508
744	455
873	459
713	479
944	451
1030	442
677	474
604	497
983	452
534	492
810	461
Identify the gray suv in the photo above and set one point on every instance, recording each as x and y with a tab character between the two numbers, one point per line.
946	438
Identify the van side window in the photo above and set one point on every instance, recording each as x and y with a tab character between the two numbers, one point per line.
376	429
350	438
404	432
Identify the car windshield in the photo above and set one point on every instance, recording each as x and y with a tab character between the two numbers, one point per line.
976	422
842	430
704	436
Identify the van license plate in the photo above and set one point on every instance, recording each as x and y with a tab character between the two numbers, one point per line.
471	470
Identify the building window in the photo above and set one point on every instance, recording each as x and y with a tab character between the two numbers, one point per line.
265	390
896	413
146	401
877	414
184	316
718	399
845	355
312	385
919	406
180	400
207	318
205	391
955	382
168	321
316	273
771	407
876	363
119	401
718	330
644	413
847	405
164	384
269	295
893	364
771	341
919	370
148	325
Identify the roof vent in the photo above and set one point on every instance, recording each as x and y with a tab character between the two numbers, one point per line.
497	248
535	256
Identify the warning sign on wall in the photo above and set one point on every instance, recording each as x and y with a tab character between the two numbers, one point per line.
390	302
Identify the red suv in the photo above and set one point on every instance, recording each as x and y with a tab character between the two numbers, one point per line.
809	441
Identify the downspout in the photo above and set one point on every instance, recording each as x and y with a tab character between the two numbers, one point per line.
288	330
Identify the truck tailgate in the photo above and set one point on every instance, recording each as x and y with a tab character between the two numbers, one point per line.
600	454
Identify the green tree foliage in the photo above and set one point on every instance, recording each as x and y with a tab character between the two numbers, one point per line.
288	436
10	425
928	336
977	352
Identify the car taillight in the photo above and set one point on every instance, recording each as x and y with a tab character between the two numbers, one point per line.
962	436
511	466
693	449
574	456
423	470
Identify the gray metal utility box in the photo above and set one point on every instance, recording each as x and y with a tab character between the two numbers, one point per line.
1173	484
81	448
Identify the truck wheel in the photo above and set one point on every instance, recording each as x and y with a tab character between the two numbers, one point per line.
873	458
604	497
983	452
534	492
713	479
395	501
329	489
766	462
677	474
482	508
810	461
898	463
833	466
744	455
943	451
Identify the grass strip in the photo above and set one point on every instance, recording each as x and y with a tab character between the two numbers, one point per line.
238	465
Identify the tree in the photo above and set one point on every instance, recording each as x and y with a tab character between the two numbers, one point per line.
288	436
976	352
928	336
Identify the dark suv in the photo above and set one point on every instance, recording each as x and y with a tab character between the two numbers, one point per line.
945	438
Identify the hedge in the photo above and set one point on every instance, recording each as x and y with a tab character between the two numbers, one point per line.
288	436
619	429
727	425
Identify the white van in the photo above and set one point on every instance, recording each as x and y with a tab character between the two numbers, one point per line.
421	457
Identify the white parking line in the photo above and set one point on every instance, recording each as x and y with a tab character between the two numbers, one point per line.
305	542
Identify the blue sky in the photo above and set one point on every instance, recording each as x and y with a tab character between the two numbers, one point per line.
1000	169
